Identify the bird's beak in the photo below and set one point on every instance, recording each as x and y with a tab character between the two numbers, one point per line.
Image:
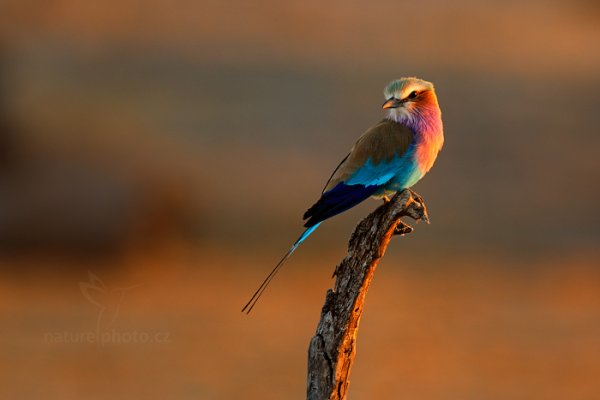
392	102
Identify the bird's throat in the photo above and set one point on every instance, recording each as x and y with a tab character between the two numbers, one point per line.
426	123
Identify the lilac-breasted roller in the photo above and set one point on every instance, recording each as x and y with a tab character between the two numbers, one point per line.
389	157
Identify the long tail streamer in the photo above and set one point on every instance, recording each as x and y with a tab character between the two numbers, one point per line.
261	289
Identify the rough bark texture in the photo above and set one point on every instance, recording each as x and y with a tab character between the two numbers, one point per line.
332	349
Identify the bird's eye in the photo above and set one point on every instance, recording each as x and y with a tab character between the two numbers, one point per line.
413	94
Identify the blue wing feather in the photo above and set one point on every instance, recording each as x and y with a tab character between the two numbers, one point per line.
371	174
364	182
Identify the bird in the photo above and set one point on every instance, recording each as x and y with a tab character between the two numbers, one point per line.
391	156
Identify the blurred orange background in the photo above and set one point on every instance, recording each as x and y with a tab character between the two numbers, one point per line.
156	157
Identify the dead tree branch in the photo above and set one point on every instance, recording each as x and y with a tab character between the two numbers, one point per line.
332	349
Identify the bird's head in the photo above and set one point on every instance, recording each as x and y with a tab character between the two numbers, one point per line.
408	99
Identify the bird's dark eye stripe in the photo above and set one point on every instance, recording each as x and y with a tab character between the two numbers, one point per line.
413	94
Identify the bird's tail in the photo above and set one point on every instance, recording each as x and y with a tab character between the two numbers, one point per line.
252	302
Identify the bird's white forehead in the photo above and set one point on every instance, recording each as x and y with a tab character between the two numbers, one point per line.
400	88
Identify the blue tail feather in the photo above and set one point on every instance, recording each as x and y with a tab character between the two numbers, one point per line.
304	235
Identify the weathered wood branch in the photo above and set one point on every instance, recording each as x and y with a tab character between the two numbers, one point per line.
332	349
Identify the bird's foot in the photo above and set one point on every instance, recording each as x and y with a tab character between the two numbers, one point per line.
402	229
386	199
